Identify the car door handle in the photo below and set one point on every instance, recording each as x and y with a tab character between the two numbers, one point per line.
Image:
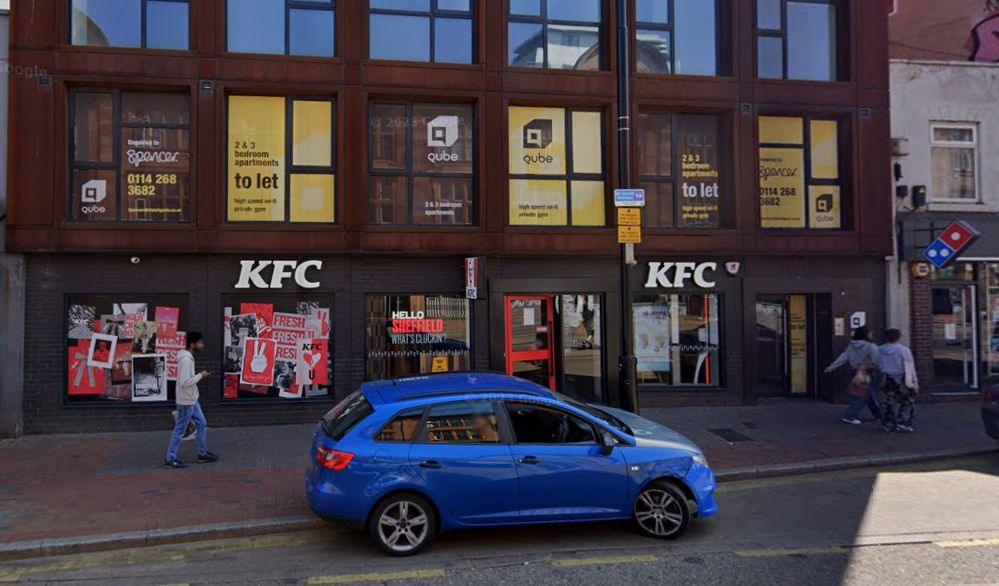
430	464
529	460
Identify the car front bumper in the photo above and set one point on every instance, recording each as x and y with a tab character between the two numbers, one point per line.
701	482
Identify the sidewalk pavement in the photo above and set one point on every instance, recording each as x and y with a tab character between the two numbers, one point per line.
70	493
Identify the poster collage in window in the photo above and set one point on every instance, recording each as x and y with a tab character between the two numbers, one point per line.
277	348
123	349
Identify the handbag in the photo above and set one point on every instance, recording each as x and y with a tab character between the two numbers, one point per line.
860	386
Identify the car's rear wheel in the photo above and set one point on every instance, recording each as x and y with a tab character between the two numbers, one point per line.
661	510
403	524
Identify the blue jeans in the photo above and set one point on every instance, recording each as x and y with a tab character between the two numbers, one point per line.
185	413
857	405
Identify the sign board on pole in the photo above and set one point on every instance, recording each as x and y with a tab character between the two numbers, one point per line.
473	276
629	198
629	217
629	234
946	249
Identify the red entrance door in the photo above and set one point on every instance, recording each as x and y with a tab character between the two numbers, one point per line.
530	338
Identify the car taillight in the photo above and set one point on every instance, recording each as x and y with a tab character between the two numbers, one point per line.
333	459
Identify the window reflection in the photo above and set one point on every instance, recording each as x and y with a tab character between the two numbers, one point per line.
687	44
120	23
677	339
564	35
258	26
797	40
421	30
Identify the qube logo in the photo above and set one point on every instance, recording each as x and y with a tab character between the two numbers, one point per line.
442	132
538	134
824	203
94	191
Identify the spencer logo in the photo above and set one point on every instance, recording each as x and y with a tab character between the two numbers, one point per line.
137	158
538	134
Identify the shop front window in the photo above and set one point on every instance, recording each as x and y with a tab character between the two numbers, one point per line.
556	167
147	24
678	340
281	27
800	178
271	178
679	166
797	39
677	36
436	31
421	164
277	347
556	34
416	334
123	348
131	157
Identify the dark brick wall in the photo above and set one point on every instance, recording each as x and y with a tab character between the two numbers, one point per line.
921	329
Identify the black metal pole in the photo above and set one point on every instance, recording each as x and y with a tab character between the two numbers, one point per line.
627	363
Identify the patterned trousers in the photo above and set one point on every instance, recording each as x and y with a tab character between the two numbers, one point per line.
899	405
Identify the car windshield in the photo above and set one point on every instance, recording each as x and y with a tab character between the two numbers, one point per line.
347	413
595	412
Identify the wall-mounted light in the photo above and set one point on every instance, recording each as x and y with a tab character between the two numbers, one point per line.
900	147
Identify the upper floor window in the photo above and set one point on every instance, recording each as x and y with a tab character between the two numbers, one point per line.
954	151
130	156
677	36
797	39
679	168
147	24
437	31
557	34
281	27
797	154
556	167
421	164
274	177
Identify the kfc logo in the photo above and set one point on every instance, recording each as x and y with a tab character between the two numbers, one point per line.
538	134
675	275
251	273
442	132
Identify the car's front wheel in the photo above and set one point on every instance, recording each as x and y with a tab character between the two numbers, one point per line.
662	511
403	524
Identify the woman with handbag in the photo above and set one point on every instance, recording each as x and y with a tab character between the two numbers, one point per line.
861	355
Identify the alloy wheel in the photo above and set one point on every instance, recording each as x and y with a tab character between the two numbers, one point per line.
403	526
659	512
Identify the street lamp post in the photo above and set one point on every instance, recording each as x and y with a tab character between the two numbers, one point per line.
627	363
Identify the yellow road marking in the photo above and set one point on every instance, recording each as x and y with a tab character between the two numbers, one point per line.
968	543
377	577
13	573
628	559
767	553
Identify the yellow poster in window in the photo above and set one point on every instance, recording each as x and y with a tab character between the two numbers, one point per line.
798	324
781	130
588	203
537	202
824	209
256	174
782	188
537	141
312	198
312	134
587	143
824	141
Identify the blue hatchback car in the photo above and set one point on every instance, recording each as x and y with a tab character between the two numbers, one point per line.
408	458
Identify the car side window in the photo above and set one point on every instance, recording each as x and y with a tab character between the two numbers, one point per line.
471	422
402	428
538	424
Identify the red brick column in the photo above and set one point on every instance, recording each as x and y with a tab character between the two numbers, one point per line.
921	329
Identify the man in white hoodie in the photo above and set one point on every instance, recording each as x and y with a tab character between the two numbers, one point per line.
896	363
187	404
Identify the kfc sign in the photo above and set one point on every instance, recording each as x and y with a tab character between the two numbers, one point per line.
676	275
252	273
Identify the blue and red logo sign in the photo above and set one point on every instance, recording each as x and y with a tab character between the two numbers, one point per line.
957	238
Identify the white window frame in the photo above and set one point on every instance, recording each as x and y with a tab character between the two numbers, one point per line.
946	144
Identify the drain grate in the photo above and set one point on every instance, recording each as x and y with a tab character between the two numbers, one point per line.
730	435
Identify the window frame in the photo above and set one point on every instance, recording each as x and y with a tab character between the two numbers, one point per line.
117	99
432	14
721	43
543	20
720	385
569	176
410	174
782	34
843	182
290	167
946	144
595	429
143	24
290	5
422	436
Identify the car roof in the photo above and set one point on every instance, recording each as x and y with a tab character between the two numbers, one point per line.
453	383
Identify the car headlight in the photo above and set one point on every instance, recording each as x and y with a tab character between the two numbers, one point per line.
700	459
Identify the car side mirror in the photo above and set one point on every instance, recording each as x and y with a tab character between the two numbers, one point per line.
607	443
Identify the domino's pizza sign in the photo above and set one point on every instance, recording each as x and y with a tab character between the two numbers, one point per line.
946	249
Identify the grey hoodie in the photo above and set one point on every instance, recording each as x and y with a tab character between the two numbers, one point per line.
856	354
892	359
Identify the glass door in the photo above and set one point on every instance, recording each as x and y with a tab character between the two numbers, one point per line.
772	346
530	338
955	336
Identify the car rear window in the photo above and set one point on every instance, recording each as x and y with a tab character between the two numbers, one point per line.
348	413
402	428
